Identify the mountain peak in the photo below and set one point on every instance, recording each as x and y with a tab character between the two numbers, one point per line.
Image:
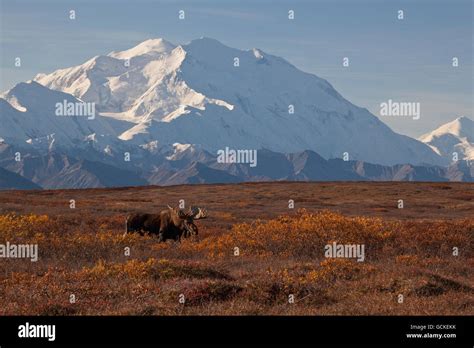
206	43
464	120
455	136
206	39
147	47
21	86
29	94
461	127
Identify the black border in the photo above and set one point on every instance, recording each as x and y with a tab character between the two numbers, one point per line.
220	330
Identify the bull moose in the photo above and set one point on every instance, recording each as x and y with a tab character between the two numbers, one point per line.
170	223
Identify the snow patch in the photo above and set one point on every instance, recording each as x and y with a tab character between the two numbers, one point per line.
257	53
147	47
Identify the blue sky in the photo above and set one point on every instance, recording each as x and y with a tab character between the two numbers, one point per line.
408	60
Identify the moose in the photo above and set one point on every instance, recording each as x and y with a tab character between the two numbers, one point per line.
171	223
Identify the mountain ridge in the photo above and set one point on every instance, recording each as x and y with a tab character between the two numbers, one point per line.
196	93
171	107
57	171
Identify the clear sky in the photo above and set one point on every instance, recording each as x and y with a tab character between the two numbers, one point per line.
403	60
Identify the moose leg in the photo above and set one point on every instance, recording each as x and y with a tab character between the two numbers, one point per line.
126	227
161	236
161	231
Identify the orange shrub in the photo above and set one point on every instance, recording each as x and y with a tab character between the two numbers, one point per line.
14	227
303	235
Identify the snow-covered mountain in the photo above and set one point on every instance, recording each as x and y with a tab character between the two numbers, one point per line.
28	116
215	96
455	136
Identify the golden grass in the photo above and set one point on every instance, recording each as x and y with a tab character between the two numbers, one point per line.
279	257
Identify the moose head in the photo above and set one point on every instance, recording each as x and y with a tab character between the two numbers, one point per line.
187	218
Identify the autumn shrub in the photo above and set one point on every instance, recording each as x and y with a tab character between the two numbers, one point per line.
154	269
304	236
275	259
210	290
301	236
19	228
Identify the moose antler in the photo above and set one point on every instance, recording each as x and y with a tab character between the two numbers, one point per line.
197	213
181	214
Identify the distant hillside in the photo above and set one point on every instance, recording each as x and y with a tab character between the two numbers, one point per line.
13	181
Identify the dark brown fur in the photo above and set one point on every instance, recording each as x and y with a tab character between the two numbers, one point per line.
168	224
